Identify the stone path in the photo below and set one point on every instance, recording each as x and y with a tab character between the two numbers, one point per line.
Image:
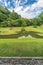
21	60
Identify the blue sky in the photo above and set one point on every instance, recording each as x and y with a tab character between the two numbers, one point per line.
26	8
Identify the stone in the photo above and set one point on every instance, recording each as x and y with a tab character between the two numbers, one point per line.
29	36
21	37
21	61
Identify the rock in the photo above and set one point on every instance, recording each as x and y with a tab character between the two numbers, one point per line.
29	36
21	61
21	37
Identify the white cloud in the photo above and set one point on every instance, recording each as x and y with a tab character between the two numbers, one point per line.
9	3
29	12
17	3
17	9
0	0
6	4
40	3
26	9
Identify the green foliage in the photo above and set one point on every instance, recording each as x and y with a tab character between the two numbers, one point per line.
8	18
4	10
3	24
23	29
3	17
35	26
23	22
14	16
41	17
19	22
37	21
9	14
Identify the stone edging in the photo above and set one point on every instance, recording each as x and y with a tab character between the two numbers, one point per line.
21	60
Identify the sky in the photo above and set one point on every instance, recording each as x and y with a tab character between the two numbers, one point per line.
26	8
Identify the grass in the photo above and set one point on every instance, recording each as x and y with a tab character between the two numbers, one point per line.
9	30
21	47
13	30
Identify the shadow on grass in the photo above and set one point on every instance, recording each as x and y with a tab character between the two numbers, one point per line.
25	33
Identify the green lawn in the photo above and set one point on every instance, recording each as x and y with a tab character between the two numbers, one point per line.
13	30
22	47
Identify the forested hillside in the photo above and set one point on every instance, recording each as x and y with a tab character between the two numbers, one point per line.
8	18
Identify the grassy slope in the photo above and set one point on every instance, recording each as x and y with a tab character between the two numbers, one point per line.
21	47
13	30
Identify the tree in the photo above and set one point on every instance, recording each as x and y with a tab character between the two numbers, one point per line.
4	24
41	17
3	17
23	22
14	16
